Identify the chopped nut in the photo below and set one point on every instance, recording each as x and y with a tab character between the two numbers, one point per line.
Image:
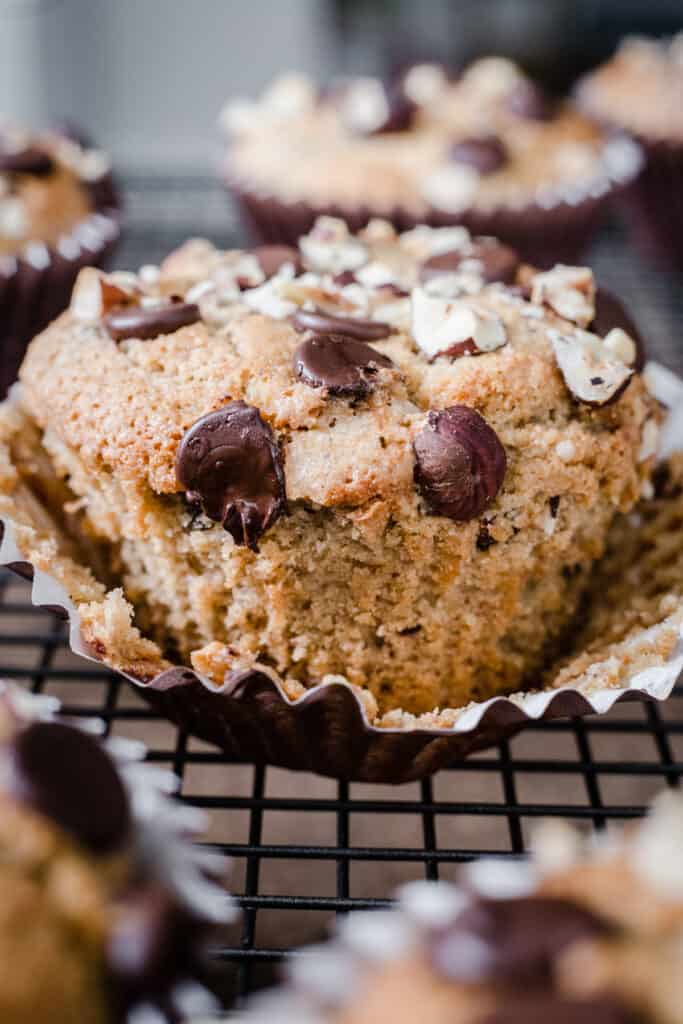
330	248
451	188
621	345
440	324
95	294
423	83
569	291
423	241
565	450
592	374
650	440
289	95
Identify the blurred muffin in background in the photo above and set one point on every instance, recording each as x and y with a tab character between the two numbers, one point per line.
59	212
488	150
640	90
104	904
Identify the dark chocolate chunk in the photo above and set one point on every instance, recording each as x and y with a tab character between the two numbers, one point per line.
30	160
498	262
230	465
148	322
272	257
342	365
66	776
529	101
512	941
610	312
330	323
554	503
485	153
460	463
543	1007
484	538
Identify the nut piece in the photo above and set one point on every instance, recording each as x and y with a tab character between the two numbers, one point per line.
621	345
591	371
451	188
95	294
460	463
331	248
442	325
569	291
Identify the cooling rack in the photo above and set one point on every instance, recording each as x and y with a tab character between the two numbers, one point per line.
304	848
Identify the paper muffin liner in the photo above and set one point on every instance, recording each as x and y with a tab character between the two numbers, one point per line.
164	842
654	203
326	729
544	232
36	284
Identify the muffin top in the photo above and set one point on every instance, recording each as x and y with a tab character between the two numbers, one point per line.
640	88
92	854
418	375
584	934
489	139
49	185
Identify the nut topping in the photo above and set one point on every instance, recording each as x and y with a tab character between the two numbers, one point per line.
591	371
331	248
442	326
95	294
569	291
460	463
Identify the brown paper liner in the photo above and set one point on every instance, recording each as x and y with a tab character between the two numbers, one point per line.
251	719
36	285
654	204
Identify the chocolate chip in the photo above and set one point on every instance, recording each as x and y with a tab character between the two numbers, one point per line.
30	160
498	262
529	101
272	257
610	313
329	323
554	503
147	322
484	538
512	941
345	277
542	1007
485	153
230	464
460	463
342	365
66	776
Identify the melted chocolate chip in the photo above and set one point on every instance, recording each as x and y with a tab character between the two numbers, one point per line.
272	257
485	153
400	113
460	463
151	321
26	161
498	262
541	1008
230	464
609	313
529	101
342	365
65	775
329	323
513	941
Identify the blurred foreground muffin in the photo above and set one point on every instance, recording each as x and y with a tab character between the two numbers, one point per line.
488	150
586	933
640	90
387	460
104	905
58	213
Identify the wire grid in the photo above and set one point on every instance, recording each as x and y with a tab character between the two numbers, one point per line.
304	848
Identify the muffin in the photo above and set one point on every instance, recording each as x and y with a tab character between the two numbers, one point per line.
386	460
586	933
58	213
106	907
489	151
639	91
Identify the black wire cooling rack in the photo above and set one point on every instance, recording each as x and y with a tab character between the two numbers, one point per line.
305	848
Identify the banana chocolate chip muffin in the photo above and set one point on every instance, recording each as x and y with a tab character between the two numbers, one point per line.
58	213
488	150
640	90
388	460
586	933
104	905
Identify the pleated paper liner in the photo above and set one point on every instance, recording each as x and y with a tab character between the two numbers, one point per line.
36	284
654	203
556	230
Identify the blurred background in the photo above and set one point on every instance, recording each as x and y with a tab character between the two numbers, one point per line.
147	78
